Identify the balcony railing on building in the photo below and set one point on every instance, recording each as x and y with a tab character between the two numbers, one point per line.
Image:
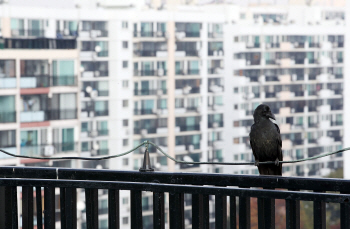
48	149
149	34
37	43
46	115
29	32
158	72
6	117
150	92
39	81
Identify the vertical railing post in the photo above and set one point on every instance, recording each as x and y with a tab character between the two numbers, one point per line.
244	212
266	213
158	210
49	208
91	199
39	211
319	214
233	220
344	215
293	214
197	211
27	207
113	209
136	209
176	210
8	204
220	211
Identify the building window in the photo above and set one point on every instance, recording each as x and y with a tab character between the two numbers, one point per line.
125	83
125	220
236	141
235	106
125	161
125	103
235	90
124	24
125	44
125	122
236	123
125	142
125	64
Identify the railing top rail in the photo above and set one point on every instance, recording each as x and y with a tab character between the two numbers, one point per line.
171	188
294	183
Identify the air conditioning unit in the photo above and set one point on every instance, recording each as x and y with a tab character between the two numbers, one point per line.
49	150
97	73
190	148
335	45
180	35
159	92
15	32
161	72
268	45
66	31
93	133
144	132
294	77
159	33
248	62
215	125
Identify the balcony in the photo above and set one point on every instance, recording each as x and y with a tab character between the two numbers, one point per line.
189	128
47	150
159	72
149	34
7	82
46	115
6	117
150	92
25	33
232	192
215	124
37	43
143	111
35	81
64	81
66	33
145	53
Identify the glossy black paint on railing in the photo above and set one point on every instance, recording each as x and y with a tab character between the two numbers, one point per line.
164	185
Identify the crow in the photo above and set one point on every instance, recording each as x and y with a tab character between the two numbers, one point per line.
265	140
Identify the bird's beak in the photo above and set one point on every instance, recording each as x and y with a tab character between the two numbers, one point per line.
270	115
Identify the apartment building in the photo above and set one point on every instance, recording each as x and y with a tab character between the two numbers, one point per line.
177	77
292	60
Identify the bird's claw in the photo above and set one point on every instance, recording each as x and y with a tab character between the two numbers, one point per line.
256	163
277	162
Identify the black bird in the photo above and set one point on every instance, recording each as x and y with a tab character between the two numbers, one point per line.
265	140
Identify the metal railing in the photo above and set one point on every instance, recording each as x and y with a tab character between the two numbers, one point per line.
37	43
226	189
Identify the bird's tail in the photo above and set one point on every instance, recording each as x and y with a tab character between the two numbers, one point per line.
270	170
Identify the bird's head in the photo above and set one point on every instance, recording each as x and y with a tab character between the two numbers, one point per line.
263	112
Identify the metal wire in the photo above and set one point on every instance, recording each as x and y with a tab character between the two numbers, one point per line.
147	143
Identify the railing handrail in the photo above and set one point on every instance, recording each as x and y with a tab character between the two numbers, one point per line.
173	188
302	183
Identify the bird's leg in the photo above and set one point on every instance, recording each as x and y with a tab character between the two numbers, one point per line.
256	163
277	162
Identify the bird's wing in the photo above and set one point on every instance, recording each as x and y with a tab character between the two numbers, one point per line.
279	144
252	142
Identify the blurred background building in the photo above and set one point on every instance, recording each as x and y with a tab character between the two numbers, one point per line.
94	78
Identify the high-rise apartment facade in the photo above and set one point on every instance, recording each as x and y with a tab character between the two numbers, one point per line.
184	77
